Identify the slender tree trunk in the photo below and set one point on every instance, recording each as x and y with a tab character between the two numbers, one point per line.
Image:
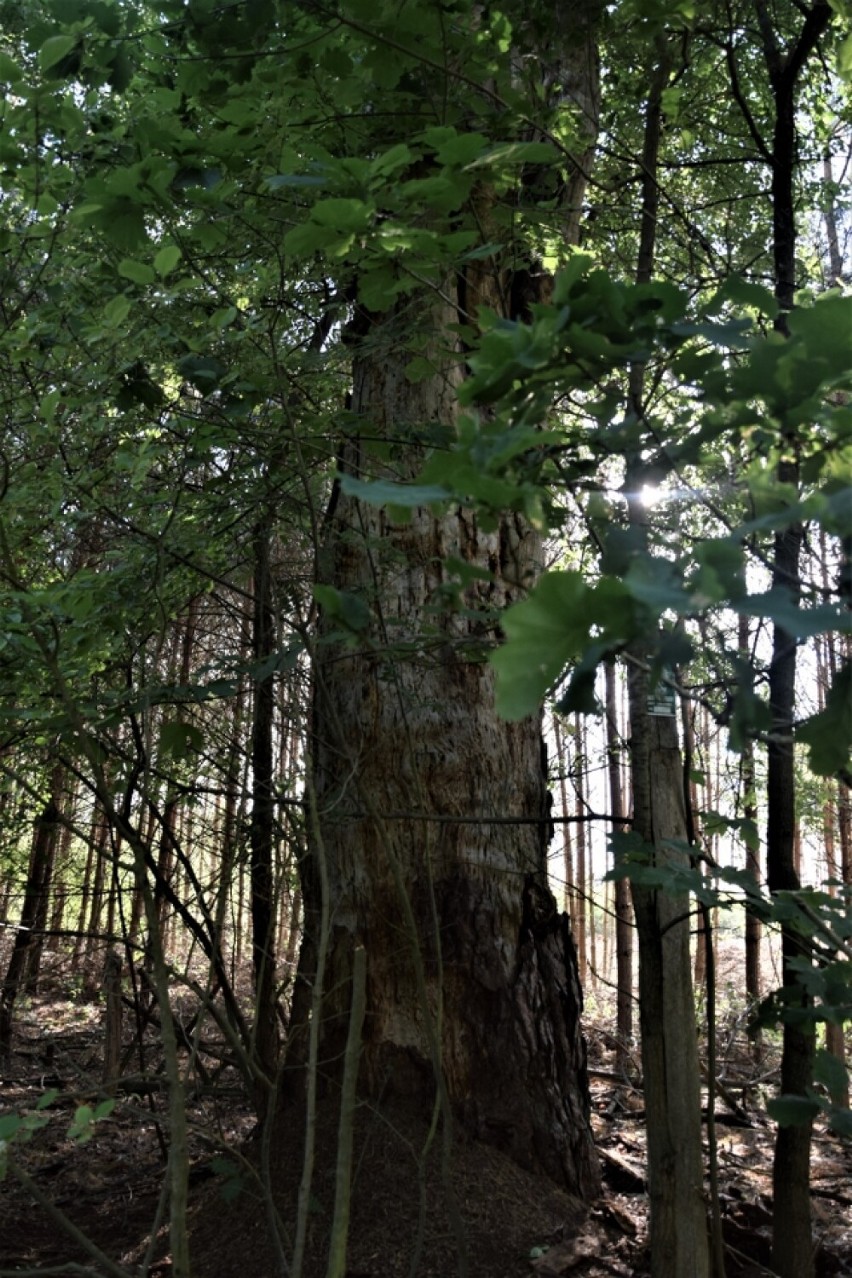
293	925
678	1224
262	826
607	913
60	885
184	642
691	797
835	1038
44	841
835	257
844	832
190	857
592	974
580	863
114	887
753	929
569	899
792	1246
43	888
623	908
229	843
96	905
85	892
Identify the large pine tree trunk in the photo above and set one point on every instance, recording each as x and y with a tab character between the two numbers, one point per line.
415	777
430	814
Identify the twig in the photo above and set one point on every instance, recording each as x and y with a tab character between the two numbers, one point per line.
343	1178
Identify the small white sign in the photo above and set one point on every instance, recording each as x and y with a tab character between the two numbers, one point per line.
662	700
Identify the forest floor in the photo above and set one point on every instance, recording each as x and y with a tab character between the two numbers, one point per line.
109	1184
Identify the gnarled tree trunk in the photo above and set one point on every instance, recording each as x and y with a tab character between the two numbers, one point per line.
466	949
431	814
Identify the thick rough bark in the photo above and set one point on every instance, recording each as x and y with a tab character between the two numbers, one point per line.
463	938
471	970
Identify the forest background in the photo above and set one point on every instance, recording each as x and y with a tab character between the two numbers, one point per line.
373	375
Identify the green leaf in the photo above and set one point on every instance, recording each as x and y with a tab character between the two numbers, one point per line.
343	214
180	739
205	372
121	70
345	607
580	696
385	492
844	58
743	293
657	585
750	834
10	72
223	317
419	368
778	605
307	239
824	333
793	1111
831	1072
392	161
454	148
379	286
121	221
187	178
80	1128
232	1177
840	1120
9	1126
167	259
54	50
138	272
721	572
828	734
517	153
49	404
137	387
296	180
116	311
546	631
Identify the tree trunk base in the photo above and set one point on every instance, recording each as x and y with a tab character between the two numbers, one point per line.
401	1204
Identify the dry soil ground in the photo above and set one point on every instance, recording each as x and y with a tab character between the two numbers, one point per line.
110	1186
